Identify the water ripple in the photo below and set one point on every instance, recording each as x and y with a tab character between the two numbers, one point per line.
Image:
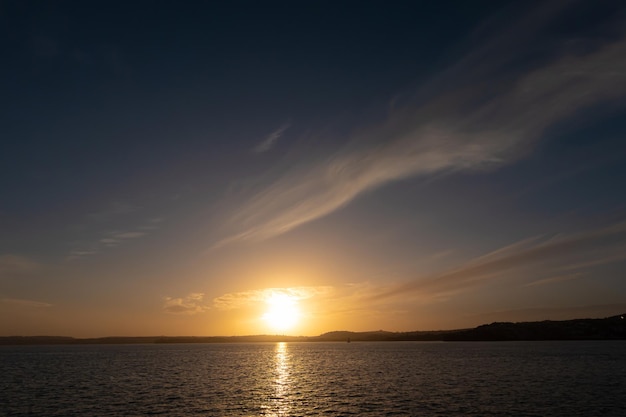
311	379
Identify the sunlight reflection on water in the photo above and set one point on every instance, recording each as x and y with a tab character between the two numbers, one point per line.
311	379
281	383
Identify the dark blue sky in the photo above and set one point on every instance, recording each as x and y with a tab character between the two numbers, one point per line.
162	157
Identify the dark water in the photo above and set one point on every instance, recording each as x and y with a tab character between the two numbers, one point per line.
310	379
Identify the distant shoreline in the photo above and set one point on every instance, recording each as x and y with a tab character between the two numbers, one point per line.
610	328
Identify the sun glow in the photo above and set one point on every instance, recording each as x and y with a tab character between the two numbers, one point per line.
282	312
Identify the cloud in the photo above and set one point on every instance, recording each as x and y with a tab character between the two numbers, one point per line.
236	300
351	300
153	224
269	142
16	265
471	118
111	239
85	249
81	252
127	235
552	280
536	256
113	210
191	304
25	303
114	238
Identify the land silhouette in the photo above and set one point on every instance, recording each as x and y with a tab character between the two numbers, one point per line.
609	328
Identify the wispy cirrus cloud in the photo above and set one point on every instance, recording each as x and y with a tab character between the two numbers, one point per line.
110	240
112	215
564	257
468	119
81	252
112	210
246	298
269	142
555	279
127	235
115	238
193	303
20	302
152	224
11	264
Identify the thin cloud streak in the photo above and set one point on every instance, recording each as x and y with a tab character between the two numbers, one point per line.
551	255
114	209
321	302
16	265
80	253
113	239
20	302
128	235
269	142
191	304
241	299
469	128
551	280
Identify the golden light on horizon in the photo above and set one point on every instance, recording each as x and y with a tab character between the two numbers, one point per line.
282	311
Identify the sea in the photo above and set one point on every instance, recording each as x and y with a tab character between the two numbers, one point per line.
565	378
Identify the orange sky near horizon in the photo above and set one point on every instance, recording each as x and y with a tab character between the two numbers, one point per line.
230	168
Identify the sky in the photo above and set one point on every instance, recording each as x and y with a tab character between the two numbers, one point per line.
281	167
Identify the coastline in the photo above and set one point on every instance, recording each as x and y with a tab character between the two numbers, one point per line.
610	328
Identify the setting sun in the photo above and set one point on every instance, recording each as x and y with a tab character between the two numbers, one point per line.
282	312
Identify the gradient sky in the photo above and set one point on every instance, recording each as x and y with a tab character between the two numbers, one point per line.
165	167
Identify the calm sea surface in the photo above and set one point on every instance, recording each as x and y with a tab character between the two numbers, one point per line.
310	379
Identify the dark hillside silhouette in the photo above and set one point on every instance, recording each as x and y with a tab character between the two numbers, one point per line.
610	328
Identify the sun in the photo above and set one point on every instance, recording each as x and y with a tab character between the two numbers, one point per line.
282	311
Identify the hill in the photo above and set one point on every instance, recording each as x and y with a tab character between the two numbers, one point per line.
610	328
